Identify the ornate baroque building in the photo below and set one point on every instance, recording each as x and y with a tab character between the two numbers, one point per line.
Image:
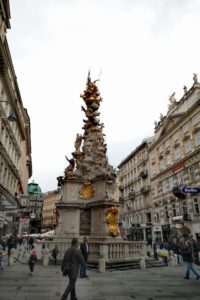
15	138
160	179
174	159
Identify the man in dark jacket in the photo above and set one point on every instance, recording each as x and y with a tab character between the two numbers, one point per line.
85	252
75	257
187	254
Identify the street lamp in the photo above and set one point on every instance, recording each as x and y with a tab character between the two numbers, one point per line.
12	117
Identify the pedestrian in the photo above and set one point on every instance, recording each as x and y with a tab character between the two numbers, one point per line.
187	255
85	252
149	249
55	252
10	245
71	262
2	253
32	260
2	243
30	243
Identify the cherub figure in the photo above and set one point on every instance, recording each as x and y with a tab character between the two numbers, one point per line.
78	142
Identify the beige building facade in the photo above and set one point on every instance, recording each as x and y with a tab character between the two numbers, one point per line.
160	179
15	137
174	160
134	184
49	212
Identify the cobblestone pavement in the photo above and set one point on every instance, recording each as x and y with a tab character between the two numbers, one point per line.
161	283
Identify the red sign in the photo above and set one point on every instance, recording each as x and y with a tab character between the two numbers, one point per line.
179	166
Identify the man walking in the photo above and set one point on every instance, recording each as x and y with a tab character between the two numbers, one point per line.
187	254
85	252
73	258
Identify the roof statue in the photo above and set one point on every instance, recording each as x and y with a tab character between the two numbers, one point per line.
161	117
185	89
172	101
195	79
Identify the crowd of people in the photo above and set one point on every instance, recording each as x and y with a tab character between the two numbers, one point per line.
187	251
75	259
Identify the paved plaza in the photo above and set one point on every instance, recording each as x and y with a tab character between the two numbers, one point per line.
48	283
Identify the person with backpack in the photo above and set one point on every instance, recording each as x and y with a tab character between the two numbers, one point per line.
72	260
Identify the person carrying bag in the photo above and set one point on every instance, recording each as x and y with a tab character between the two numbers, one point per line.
70	266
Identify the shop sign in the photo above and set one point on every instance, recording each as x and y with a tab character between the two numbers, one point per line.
191	190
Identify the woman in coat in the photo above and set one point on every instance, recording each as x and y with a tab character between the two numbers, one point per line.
32	260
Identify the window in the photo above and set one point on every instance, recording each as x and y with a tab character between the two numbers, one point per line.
168	159
187	145
191	173
180	178
196	206
174	210
171	183
184	208
185	128
175	137
177	153
167	144
148	217
162	164
197	138
166	213
158	216
195	119
153	167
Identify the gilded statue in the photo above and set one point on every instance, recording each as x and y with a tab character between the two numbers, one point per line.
87	191
112	219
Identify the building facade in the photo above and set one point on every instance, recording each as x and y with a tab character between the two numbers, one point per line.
49	212
134	185
15	136
174	160
160	179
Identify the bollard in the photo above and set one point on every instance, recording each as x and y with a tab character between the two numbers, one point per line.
102	265
142	263
45	260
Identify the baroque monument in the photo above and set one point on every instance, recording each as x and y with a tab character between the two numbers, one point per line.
87	206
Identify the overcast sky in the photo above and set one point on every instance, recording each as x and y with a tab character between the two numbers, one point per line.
143	50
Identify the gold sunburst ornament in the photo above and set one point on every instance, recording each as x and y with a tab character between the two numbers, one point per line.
112	219
87	191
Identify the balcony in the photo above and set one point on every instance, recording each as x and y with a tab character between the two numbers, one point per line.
143	174
196	127
131	194
187	217
186	136
145	189
176	143
177	191
121	188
